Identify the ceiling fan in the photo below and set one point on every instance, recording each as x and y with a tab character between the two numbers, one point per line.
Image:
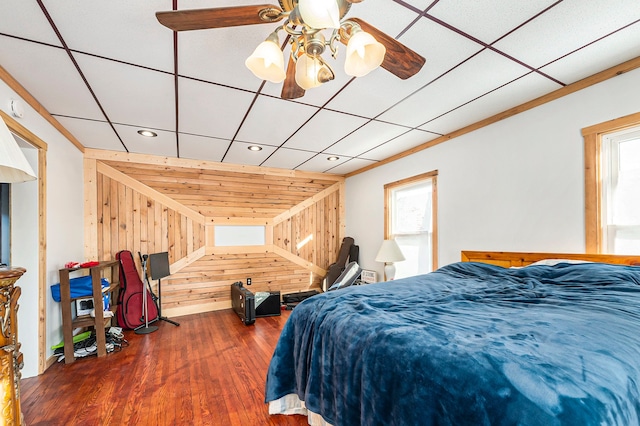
305	23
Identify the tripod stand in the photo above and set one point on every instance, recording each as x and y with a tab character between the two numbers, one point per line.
159	265
145	328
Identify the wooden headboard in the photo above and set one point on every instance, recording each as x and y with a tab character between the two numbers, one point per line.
508	259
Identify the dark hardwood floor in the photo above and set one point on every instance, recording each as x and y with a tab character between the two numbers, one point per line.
211	370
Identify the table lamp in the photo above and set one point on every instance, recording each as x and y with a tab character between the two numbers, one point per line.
389	252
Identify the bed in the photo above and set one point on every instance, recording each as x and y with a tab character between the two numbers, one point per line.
497	339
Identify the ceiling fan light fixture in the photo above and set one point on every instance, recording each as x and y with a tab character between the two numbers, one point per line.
267	61
364	54
311	72
320	14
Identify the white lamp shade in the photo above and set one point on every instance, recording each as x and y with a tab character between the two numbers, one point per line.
267	62
364	54
389	252
320	14
14	167
311	72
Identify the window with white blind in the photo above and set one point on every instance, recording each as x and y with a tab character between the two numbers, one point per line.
620	171
410	219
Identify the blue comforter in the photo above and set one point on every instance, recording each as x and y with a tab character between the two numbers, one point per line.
469	344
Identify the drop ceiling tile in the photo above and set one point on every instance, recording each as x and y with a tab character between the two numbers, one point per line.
400	144
112	29
273	120
130	95
27	21
349	166
387	16
513	94
163	145
608	52
320	164
284	158
477	76
218	55
202	148
211	110
419	4
92	133
472	16
239	154
379	90
324	129
48	74
566	27
365	138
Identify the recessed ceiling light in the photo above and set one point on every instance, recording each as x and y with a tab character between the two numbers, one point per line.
254	148
333	158
147	133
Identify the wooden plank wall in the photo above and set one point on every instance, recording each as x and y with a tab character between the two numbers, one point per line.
151	204
130	220
316	225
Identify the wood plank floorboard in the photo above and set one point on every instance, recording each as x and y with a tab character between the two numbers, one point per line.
210	370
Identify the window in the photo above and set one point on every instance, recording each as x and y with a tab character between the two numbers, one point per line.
620	169
612	186
410	219
4	224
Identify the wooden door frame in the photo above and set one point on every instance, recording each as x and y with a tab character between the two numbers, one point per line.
22	132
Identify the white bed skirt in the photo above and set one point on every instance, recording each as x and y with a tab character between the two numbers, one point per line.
291	404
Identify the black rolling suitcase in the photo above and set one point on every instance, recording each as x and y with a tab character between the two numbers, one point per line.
243	303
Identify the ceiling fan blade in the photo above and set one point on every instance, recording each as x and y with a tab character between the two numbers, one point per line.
219	17
399	59
290	89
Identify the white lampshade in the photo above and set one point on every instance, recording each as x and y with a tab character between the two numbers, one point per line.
267	62
320	14
14	167
389	252
312	72
364	54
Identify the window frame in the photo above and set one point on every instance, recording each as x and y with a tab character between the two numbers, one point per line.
593	186
389	187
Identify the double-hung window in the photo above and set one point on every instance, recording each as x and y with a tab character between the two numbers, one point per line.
621	192
410	219
612	186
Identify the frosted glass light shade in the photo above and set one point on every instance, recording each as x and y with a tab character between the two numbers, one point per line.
311	72
267	62
14	167
364	54
320	13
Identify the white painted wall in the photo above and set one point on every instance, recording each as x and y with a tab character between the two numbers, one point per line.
516	185
64	233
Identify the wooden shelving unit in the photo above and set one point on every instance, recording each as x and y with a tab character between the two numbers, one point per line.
111	270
